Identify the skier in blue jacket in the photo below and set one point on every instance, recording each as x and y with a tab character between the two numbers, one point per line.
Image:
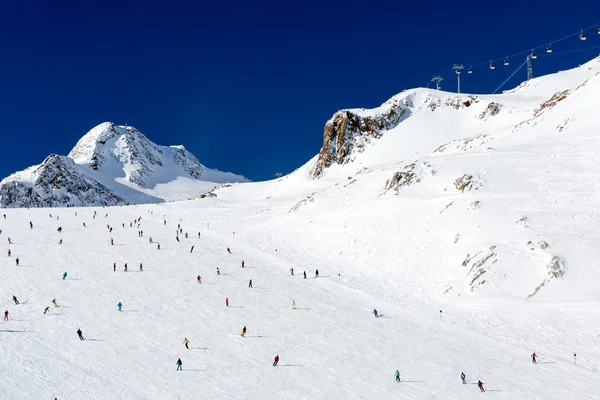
119	305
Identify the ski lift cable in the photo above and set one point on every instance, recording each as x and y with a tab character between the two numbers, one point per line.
511	75
569	51
528	51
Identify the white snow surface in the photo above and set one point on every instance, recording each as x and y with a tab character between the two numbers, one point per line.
511	264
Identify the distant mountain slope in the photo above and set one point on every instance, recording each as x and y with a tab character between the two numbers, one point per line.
112	165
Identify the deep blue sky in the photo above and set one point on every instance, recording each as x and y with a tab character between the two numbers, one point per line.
247	86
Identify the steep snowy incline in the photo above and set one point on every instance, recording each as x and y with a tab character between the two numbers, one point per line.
121	165
465	196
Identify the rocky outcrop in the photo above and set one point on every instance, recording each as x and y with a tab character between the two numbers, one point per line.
553	101
348	131
409	174
308	199
468	182
478	265
491	110
556	270
465	144
57	183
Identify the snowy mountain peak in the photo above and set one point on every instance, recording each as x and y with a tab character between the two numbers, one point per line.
122	164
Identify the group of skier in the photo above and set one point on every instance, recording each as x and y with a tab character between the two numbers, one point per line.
179	362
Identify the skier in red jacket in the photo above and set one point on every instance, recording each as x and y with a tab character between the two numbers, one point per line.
243	264
533	358
480	386
228	250
276	360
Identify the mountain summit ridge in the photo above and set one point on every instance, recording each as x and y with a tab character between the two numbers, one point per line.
112	164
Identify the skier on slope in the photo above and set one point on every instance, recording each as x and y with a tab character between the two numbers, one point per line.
60	241
397	375
243	331
30	225
185	341
114	266
463	377
480	386
192	249
227	302
177	237
46	310
292	271
141	267
243	264
218	272
125	267
158	246
150	239
112	242
186	235
534	358
15	299
179	365
293	304
54	303
228	250
17	261
375	313
80	334
6	315
250	283
304	274
9	252
198	235
119	306
64	276
276	360
316	273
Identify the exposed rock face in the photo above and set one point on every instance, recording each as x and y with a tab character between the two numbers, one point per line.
556	270
302	202
553	101
348	131
491	110
465	144
478	265
408	175
58	183
467	182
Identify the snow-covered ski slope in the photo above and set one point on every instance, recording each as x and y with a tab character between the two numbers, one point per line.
510	259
